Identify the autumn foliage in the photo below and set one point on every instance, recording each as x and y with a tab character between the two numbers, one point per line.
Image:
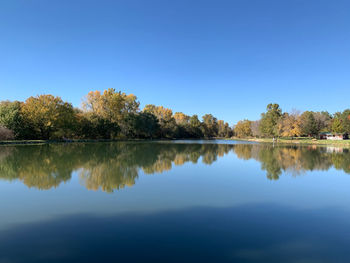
114	114
275	123
109	114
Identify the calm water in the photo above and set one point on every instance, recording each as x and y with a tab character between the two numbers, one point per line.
177	202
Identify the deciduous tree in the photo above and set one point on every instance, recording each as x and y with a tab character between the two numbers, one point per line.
243	129
290	125
224	129
165	118
209	126
337	125
49	115
111	105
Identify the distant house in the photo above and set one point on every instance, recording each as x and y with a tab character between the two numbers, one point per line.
323	135
333	136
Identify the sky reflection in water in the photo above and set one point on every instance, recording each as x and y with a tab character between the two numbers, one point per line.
174	202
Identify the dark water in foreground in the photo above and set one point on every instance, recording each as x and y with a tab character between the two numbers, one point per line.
174	202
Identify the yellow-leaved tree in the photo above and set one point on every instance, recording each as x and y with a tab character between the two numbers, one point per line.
49	116
290	125
181	118
243	129
111	105
165	118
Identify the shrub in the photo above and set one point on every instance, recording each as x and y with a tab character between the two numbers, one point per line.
6	134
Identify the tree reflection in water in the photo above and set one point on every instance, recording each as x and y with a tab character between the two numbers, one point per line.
112	166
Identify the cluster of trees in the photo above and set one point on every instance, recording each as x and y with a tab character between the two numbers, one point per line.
112	115
275	123
106	115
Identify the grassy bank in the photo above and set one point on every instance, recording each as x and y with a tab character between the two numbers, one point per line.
343	143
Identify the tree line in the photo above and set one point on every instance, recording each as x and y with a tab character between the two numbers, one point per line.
113	115
275	123
109	114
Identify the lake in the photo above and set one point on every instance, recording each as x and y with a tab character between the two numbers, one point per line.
174	201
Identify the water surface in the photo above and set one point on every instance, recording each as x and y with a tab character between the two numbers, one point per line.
184	201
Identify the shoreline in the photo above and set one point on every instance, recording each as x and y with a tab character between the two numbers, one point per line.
296	141
39	142
36	142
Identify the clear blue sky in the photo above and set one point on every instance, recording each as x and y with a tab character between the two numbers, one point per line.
229	58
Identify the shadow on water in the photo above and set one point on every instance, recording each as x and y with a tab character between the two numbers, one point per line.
250	233
111	166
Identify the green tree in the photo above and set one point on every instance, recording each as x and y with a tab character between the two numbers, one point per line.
11	118
224	129
195	127
143	125
337	125
323	121
309	125
195	122
209	126
345	119
91	126
269	120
